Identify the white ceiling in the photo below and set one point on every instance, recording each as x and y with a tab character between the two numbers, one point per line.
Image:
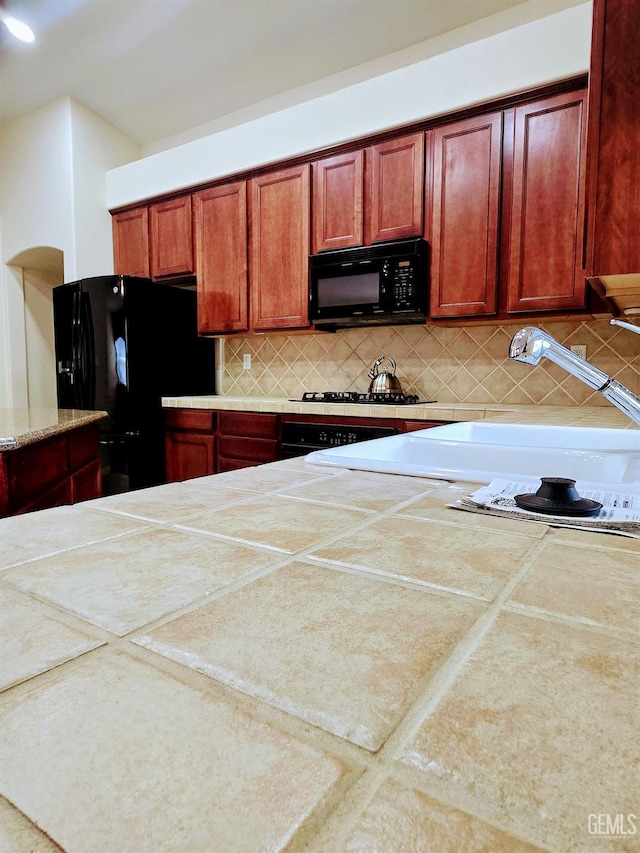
155	68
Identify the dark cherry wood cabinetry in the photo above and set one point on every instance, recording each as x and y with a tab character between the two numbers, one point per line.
154	241
369	195
131	242
338	197
61	469
395	181
246	439
613	199
190	443
465	206
200	441
499	196
547	205
171	238
279	249
221	258
506	210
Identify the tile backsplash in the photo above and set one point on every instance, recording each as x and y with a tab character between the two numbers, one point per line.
460	365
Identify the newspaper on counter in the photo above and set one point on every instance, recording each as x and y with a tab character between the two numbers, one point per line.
620	511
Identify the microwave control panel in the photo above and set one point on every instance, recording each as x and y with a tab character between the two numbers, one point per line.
399	278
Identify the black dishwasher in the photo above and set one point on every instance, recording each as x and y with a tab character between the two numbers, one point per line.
300	437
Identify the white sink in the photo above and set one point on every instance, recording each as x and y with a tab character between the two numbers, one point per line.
479	451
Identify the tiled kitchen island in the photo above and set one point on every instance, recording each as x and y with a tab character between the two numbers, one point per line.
284	657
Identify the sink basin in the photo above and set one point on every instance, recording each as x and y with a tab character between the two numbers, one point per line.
478	451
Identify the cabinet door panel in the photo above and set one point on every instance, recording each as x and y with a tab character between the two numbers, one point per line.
613	150
395	172
548	205
131	242
86	484
465	209
171	238
37	467
279	247
189	455
221	252
337	201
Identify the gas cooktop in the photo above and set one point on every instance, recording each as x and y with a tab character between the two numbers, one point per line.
392	399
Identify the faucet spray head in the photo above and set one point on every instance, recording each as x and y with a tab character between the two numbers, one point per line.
528	345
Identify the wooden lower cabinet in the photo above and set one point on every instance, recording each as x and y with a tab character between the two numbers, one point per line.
200	442
190	443
62	469
246	439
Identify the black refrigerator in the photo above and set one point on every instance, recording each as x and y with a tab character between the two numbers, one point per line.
122	343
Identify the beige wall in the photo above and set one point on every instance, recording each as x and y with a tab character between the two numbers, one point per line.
467	364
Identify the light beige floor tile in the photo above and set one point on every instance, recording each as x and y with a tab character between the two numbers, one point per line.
361	490
341	651
130	759
124	583
559	743
36	534
470	560
32	640
19	835
169	503
399	820
282	523
571	581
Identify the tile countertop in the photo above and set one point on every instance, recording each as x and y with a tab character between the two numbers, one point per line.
26	426
597	416
281	657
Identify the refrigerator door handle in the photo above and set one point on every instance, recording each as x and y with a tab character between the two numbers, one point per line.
83	351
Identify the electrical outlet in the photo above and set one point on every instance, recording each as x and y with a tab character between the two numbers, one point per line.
580	349
246	361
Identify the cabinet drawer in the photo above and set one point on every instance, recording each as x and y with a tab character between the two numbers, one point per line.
251	449
192	419
248	424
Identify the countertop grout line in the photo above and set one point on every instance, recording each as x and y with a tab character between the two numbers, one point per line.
429	693
438	683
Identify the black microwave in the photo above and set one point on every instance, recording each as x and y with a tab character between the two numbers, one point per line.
385	284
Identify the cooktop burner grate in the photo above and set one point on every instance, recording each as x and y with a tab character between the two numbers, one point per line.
391	399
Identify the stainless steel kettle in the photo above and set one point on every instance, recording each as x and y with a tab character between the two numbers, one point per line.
383	381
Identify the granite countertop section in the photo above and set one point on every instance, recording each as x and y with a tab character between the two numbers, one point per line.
594	416
19	427
283	657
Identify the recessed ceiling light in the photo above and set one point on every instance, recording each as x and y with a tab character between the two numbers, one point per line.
17	28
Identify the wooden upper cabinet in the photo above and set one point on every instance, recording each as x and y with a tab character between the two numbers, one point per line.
279	249
613	152
395	183
338	184
131	242
221	258
465	204
171	238
547	213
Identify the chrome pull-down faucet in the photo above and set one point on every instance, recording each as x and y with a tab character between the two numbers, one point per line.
531	344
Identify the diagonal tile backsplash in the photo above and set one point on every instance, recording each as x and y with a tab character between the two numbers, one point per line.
460	365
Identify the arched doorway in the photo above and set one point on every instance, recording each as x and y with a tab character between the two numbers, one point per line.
30	372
